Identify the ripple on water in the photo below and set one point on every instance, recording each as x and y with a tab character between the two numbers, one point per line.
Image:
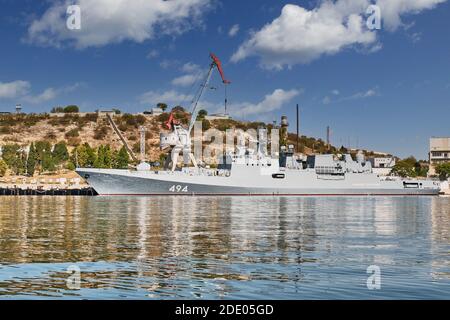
224	248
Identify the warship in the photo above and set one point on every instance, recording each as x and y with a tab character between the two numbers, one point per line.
249	171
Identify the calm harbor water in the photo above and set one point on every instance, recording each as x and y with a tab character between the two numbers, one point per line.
224	248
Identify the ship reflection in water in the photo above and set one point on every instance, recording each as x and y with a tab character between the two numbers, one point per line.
224	248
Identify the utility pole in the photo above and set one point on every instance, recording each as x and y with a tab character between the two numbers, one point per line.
328	136
298	130
142	130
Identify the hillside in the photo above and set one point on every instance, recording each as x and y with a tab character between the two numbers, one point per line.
73	130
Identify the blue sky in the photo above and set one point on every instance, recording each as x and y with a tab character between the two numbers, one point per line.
386	90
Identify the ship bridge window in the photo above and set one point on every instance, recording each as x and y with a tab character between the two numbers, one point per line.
278	176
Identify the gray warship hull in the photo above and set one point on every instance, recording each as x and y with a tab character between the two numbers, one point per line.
110	182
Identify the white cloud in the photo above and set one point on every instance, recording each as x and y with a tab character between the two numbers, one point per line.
47	95
113	21
166	63
152	54
233	30
185	81
373	92
193	73
14	89
392	10
326	100
21	90
364	94
169	97
299	36
271	102
190	68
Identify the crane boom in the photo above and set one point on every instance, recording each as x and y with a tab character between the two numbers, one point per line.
214	64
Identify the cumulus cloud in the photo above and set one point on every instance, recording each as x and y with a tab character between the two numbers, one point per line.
14	89
364	94
271	102
392	10
233	31
170	97
113	21
47	95
185	81
192	73
21	90
190	67
299	36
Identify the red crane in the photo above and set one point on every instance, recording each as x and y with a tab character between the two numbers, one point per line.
216	63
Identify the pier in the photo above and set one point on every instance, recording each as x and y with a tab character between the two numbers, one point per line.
23	186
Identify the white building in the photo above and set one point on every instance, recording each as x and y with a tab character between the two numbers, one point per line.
439	152
154	112
382	166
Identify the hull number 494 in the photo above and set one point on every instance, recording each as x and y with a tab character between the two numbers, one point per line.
178	189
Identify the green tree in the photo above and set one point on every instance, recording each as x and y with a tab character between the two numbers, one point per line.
45	159
405	168
32	160
3	168
71	109
60	153
10	153
162	106
123	159
84	156
15	158
104	157
202	114
443	170
48	163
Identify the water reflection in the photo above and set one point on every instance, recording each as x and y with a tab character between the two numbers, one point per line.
237	247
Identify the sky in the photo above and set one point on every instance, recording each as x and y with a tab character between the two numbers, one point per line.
385	89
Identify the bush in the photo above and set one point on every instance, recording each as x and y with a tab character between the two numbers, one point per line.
100	133
206	125
72	133
91	117
70	166
50	135
443	170
163	117
122	127
140	119
74	142
178	109
5	130
3	168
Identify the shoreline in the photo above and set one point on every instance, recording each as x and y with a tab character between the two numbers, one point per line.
16	191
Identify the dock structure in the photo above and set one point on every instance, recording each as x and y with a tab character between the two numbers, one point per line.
40	186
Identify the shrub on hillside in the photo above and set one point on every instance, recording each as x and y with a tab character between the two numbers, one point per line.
72	133
100	133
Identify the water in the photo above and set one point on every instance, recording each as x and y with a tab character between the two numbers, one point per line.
224	248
